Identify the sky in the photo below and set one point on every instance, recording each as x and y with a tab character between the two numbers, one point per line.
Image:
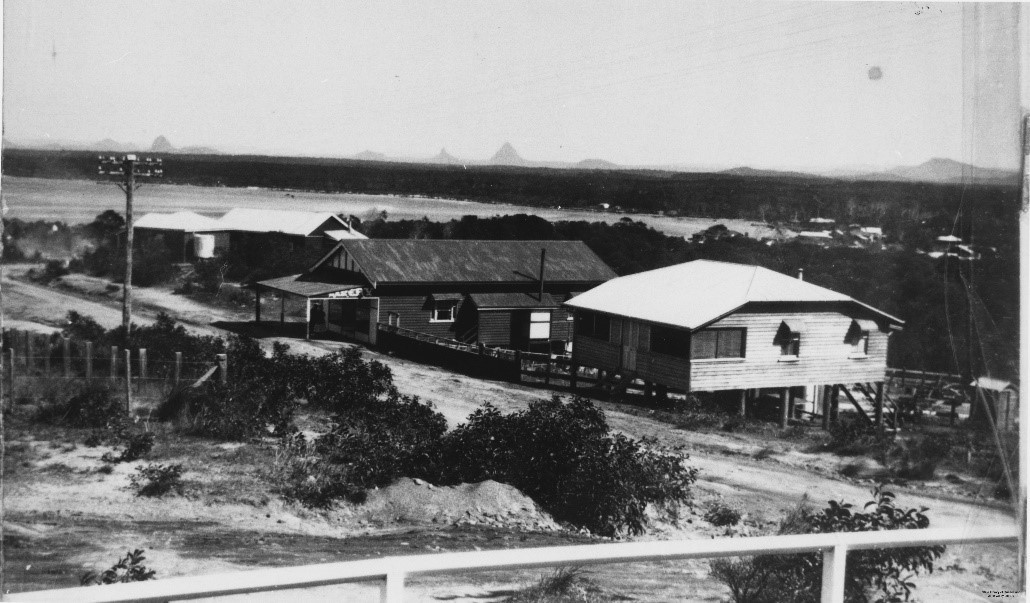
711	84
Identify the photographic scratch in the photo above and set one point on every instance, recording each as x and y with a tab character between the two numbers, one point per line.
118	59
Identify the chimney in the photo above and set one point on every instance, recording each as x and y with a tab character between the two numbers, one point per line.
543	259
801	274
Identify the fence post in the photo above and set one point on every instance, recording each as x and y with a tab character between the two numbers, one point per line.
142	364
834	564
178	367
66	351
114	362
128	380
29	355
518	366
573	374
223	368
89	360
393	588
48	349
547	375
10	378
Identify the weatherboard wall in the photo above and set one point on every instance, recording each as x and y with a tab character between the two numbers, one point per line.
825	356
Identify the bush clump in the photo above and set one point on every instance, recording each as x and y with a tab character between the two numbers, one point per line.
137	446
722	515
564	456
96	405
157	480
128	569
873	575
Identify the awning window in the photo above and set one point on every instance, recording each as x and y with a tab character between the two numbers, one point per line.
860	327
789	329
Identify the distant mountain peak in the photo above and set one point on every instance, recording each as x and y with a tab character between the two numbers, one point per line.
370	156
507	155
446	158
596	164
162	145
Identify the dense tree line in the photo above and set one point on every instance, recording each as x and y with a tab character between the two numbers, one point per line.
720	195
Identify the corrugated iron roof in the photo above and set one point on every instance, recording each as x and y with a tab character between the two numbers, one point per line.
694	294
245	219
498	301
305	285
342	235
451	260
184	221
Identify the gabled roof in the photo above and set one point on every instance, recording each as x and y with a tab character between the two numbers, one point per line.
245	219
464	261
341	235
696	293
184	221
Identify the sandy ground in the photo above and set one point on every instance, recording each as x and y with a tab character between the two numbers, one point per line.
729	471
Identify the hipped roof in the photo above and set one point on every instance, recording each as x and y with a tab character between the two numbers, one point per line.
183	221
694	294
245	219
465	261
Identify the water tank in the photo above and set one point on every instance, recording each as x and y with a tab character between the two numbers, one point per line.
204	246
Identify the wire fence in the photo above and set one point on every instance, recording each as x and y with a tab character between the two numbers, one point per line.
35	363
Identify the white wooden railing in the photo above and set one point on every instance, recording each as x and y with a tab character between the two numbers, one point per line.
393	571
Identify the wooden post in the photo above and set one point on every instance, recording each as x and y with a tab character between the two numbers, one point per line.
878	411
826	407
178	366
307	318
648	391
128	380
89	360
48	348
10	378
142	364
29	355
784	406
547	375
223	368
257	304
282	309
742	411
518	366
66	349
573	375
114	362
835	404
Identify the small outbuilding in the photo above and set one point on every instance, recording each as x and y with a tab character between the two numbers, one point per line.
178	231
304	230
707	326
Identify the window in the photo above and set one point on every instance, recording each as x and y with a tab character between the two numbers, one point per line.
790	347
860	345
669	341
858	337
443	310
540	325
393	318
590	324
717	343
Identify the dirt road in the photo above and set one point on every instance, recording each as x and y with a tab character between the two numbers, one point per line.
764	487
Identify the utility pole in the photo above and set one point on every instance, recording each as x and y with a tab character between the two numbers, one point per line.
126	170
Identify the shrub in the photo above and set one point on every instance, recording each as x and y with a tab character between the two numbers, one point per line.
128	569
565	585
877	575
156	480
137	446
919	459
852	438
564	457
722	515
96	406
338	382
368	446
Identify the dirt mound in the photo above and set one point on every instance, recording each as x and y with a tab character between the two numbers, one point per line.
485	503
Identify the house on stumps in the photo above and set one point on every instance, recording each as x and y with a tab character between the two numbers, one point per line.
707	326
503	294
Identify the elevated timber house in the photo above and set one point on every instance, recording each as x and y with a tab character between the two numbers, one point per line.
505	294
707	326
